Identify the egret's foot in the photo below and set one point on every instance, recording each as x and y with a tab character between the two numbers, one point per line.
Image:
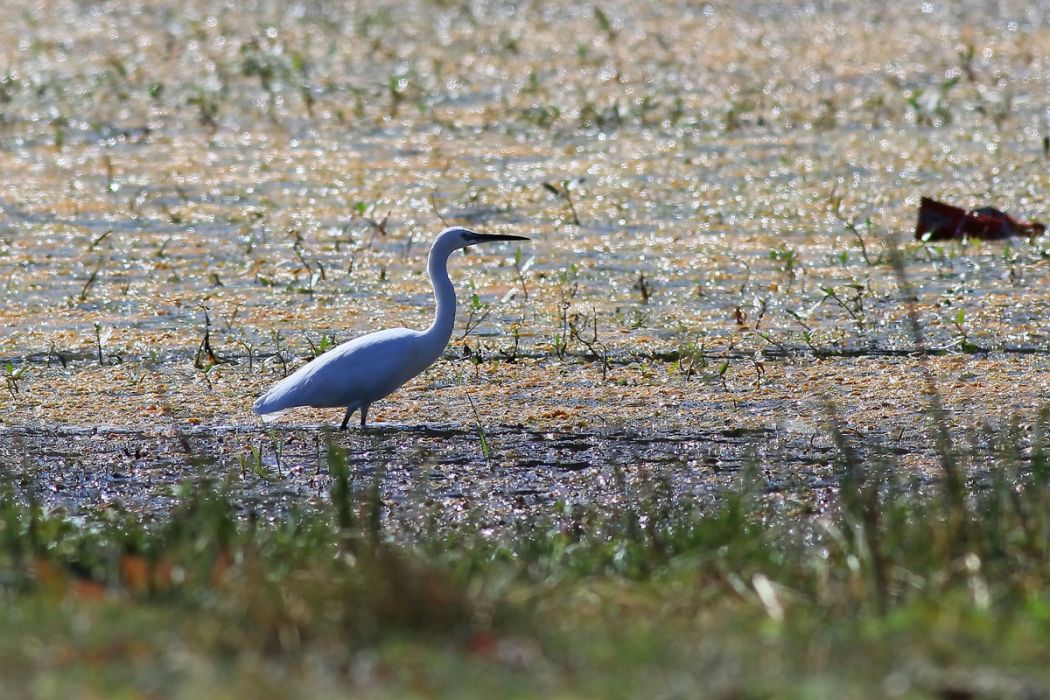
346	418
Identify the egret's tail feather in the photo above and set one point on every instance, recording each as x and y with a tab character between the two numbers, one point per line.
269	406
270	417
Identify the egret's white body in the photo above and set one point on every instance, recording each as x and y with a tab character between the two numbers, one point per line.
361	371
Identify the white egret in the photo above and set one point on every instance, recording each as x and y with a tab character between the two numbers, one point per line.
363	370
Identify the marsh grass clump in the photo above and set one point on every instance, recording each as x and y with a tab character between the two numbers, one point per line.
252	587
886	568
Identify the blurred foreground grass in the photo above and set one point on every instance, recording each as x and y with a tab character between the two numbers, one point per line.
897	589
277	165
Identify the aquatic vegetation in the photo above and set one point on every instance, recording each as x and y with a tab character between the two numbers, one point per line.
882	566
625	477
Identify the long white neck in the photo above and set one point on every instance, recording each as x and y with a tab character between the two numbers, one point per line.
444	296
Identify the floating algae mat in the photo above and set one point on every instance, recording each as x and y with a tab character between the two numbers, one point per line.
199	197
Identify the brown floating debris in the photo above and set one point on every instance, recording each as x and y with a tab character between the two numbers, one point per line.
939	221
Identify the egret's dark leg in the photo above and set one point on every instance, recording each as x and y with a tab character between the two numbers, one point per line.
364	414
346	419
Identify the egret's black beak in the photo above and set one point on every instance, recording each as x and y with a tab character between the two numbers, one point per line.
474	237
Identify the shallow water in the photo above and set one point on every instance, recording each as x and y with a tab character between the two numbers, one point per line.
436	468
283	168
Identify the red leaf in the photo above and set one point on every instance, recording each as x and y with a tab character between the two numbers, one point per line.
939	221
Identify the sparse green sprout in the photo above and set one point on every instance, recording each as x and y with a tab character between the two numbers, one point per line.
563	190
52	352
277	445
249	350
301	69
205	371
206	358
568	288
584	329
58	125
857	230
267	63
787	259
11	376
852	305
543	116
807	332
366	212
761	305
486	449
92	278
644	287
723	371
207	104
475	359
111	184
402	86
929	107
965	344
532	85
477	309
102	336
520	269
511	353
691	358
253	462
322	346
604	24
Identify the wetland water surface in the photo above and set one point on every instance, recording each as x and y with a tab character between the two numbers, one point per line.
198	197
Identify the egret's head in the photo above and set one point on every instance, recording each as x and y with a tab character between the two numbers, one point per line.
459	237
